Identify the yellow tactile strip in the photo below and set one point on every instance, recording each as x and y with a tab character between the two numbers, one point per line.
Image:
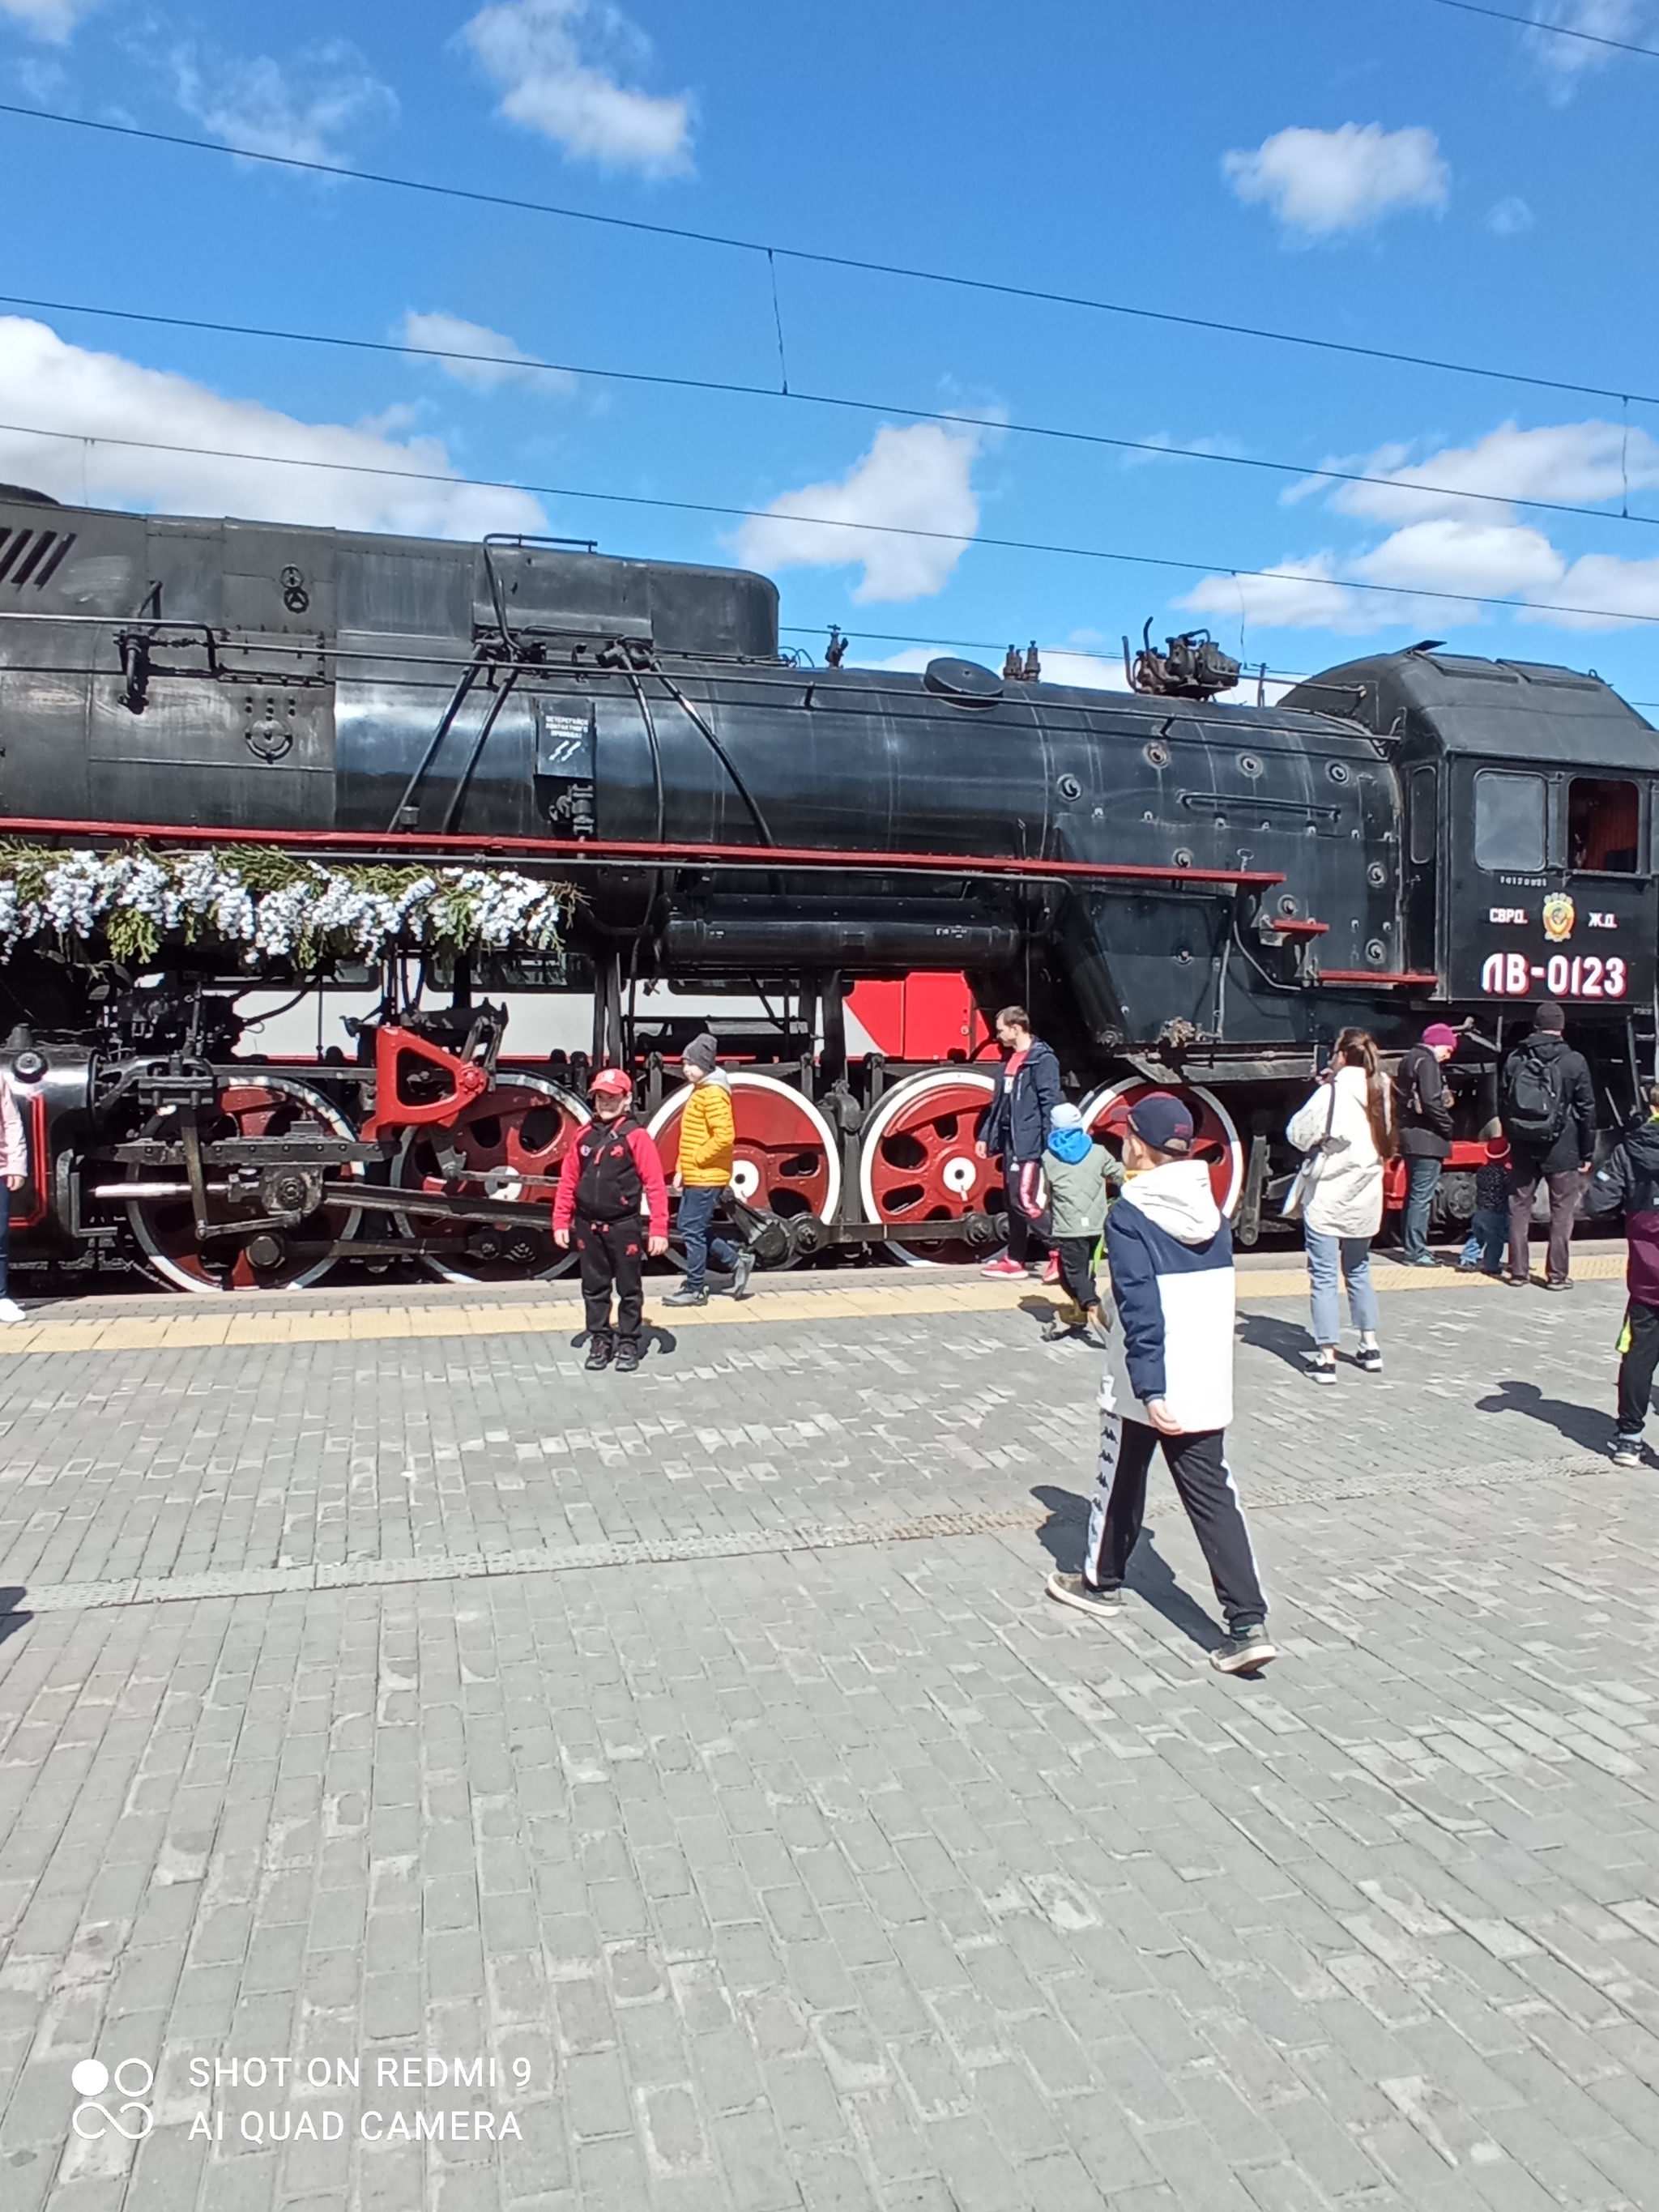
186	1327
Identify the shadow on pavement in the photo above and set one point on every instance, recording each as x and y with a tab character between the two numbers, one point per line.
653	1336
1579	1424
1287	1341
1041	1308
1150	1576
13	1619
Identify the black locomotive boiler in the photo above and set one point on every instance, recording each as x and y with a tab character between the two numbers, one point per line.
1186	893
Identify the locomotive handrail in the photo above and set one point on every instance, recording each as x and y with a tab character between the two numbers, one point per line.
728	668
1398	979
626	852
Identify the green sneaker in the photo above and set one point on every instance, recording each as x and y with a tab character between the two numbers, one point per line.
1073	1590
1243	1652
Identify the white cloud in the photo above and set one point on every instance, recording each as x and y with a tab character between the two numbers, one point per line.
48	19
919	478
558	63
1563	61
100	397
1166	448
1577	463
308	108
1297	594
1442	541
1603	581
1509	217
1497	557
1320	182
439	333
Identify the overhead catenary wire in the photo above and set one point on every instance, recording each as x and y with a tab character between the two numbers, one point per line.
861	264
1551	30
1433	592
1155	448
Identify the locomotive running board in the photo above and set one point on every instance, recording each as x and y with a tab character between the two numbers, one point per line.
623	853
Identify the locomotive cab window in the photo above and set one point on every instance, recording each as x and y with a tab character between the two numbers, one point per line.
1508	820
1604	817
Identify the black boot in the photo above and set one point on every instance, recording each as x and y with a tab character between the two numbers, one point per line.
627	1355
600	1345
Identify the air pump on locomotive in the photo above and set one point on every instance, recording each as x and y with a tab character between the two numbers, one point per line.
1185	893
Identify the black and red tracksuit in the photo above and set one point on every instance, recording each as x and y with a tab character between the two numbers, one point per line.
1629	1178
611	1166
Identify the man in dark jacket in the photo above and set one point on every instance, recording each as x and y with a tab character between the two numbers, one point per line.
1629	1180
1549	1111
1014	1128
1423	1117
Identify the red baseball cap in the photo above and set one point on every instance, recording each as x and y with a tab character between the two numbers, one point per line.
611	1082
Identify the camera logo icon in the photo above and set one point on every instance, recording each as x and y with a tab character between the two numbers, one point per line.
133	2080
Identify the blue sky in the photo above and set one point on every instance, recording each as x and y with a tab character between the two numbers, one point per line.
1406	175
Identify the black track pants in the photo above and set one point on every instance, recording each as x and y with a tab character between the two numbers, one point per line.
1198	1467
1027	1218
612	1254
1635	1368
1077	1269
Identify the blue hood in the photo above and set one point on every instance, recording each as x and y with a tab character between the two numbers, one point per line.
1071	1144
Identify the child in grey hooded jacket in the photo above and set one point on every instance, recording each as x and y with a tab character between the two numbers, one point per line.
1082	1179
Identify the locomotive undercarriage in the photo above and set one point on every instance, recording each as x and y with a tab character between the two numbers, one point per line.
221	1173
435	1152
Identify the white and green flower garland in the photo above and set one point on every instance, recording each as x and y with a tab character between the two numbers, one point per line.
270	903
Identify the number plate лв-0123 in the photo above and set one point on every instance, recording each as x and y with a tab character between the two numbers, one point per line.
1548	956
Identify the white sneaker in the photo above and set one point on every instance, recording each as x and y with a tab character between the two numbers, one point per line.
10	1310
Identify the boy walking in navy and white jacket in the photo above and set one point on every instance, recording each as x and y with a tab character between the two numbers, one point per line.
1169	1381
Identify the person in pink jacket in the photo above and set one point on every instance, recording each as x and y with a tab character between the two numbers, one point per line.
15	1168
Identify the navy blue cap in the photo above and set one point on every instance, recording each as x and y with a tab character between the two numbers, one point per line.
1161	1120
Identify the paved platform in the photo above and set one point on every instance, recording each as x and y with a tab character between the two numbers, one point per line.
473	1785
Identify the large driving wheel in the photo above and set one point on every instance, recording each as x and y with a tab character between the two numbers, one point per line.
918	1162
1106	1112
508	1144
286	1259
788	1156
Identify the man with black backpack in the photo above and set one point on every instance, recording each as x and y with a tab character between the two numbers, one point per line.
1548	1107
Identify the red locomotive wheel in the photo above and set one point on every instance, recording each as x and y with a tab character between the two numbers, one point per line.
789	1158
1105	1113
266	1105
507	1144
918	1162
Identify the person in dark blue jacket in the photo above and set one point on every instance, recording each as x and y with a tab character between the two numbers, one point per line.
1014	1128
1169	1381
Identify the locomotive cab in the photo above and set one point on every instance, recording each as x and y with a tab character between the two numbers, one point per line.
1528	796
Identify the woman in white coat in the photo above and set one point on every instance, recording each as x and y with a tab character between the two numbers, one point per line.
14	1174
1348	1127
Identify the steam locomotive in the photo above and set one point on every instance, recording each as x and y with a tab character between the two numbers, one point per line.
1186	893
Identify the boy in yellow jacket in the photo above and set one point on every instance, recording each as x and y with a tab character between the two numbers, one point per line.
708	1139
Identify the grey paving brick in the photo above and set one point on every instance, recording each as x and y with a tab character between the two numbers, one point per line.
845	1876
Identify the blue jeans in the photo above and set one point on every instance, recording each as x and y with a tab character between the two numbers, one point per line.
1489	1232
1354	1256
1422	1179
698	1204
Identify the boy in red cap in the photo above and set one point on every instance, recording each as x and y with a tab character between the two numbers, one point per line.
1489	1224
612	1166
